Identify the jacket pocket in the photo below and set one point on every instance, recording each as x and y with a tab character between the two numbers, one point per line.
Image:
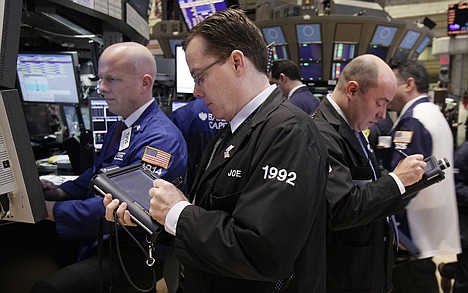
225	203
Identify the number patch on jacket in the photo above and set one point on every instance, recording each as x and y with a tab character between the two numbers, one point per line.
280	174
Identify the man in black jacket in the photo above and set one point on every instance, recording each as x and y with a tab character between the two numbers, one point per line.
256	218
360	237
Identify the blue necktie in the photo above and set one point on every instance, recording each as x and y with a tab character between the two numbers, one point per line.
390	219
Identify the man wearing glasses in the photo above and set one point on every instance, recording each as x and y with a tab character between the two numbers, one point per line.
255	218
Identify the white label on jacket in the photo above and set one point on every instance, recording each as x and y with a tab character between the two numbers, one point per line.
281	175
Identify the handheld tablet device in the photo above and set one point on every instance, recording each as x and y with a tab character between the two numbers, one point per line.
130	184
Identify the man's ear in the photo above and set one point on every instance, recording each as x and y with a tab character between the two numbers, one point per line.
351	89
238	58
283	78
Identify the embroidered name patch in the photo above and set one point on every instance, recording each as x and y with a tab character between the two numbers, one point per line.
156	157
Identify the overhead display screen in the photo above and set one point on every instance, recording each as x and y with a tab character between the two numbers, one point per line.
383	35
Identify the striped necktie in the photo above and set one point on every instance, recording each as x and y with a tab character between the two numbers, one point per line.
120	127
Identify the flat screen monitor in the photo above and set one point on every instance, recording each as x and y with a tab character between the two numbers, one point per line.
184	79
423	45
71	119
383	35
311	71
457	19
194	11
101	121
37	120
22	199
308	33
274	35
378	50
411	37
344	51
310	52
10	28
280	52
337	68
48	77
400	55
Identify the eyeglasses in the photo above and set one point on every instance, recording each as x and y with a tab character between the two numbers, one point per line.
199	79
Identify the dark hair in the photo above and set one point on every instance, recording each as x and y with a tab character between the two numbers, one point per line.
230	30
287	67
415	69
361	69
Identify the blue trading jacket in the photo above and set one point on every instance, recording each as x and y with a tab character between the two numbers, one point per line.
78	219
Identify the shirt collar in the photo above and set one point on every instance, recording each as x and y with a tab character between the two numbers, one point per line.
291	92
250	107
135	115
337	108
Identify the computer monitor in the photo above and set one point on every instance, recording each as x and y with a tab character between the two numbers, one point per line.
71	119
308	33
184	79
457	18
37	120
383	35
101	121
423	45
274	35
344	52
48	77
337	68
10	28
411	37
311	71
310	52
22	199
378	50
280	52
194	11
400	55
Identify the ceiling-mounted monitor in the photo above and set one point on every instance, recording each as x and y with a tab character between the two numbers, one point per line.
344	51
308	33
383	35
457	18
410	38
311	71
378	50
310	52
194	11
423	45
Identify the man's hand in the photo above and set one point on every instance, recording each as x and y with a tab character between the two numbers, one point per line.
164	196
52	192
410	169
122	213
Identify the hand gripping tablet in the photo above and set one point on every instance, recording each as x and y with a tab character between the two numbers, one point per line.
131	185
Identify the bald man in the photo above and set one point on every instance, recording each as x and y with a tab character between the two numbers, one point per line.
126	74
360	238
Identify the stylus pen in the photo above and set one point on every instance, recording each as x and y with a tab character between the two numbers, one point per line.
402	153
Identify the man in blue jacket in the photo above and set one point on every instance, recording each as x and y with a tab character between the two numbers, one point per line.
126	72
285	74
